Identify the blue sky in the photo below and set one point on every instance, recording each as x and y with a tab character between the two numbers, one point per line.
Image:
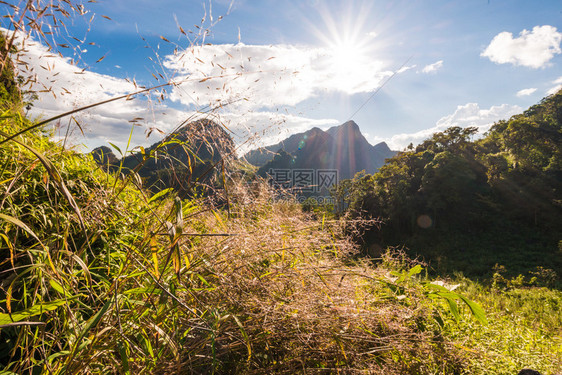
400	69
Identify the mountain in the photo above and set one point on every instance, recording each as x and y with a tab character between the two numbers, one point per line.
342	148
189	155
185	156
263	155
353	153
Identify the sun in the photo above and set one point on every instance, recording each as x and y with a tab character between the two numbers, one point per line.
349	47
349	62
345	55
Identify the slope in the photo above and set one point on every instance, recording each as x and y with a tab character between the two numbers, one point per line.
185	157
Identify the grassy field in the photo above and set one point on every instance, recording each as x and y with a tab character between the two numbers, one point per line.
97	276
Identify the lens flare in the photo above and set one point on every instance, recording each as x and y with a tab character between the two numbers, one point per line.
424	221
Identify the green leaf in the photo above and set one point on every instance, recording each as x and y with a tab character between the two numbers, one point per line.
91	323
62	353
159	194
453	307
54	174
179	214
203	280
22	225
476	310
36	309
124	357
438	288
415	270
244	335
59	288
117	148
142	290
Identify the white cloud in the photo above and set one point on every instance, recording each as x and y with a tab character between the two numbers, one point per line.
250	126
532	49
405	68
557	87
433	67
62	86
257	129
466	115
526	92
71	87
258	76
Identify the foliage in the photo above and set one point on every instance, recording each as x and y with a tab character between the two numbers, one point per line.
186	160
100	277
123	282
9	89
468	204
523	320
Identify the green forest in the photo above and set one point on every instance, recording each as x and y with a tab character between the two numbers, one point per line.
473	204
448	260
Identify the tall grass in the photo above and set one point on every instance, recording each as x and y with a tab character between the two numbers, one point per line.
116	281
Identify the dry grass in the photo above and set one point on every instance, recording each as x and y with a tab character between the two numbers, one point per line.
279	296
118	283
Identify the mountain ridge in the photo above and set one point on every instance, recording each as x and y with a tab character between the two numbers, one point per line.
343	148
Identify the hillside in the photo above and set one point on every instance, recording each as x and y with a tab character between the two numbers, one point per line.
128	283
184	159
342	148
187	156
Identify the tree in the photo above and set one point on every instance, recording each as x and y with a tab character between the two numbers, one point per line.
9	85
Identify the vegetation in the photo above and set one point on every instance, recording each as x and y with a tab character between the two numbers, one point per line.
9	89
103	278
186	160
467	205
99	277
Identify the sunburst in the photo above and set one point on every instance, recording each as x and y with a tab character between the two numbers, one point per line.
349	45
